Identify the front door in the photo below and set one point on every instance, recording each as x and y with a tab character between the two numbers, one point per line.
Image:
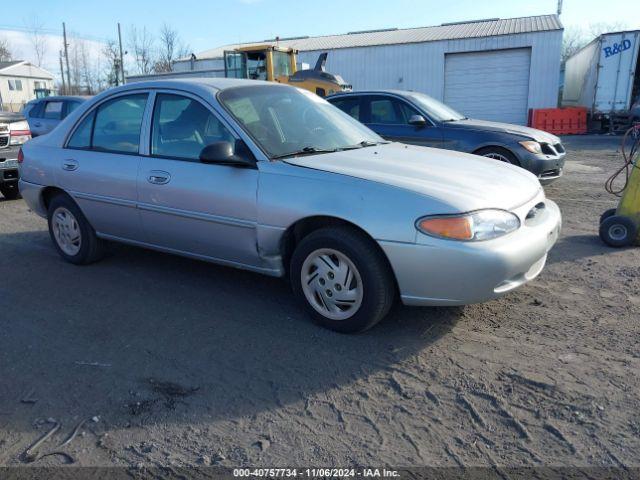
389	117
190	207
99	166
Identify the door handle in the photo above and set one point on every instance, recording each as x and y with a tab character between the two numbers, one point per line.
69	165
158	177
37	124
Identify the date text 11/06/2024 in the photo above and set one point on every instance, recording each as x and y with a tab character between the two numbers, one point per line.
315	472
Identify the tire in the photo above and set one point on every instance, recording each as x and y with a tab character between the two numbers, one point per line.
498	153
328	255
618	231
608	213
10	191
66	223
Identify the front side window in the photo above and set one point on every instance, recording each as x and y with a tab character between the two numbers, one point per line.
286	121
350	106
182	127
53	110
117	124
390	111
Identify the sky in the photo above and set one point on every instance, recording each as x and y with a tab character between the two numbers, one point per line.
207	24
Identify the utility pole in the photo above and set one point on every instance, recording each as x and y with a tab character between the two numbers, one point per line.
121	59
66	55
559	7
64	88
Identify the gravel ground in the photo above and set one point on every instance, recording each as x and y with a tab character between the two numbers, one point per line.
174	362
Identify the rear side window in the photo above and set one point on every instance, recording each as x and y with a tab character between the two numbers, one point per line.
350	106
81	138
53	110
117	124
182	127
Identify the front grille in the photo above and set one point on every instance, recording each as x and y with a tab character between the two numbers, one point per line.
535	210
4	141
547	149
559	148
550	173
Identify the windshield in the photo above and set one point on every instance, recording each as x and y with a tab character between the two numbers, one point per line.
435	109
291	121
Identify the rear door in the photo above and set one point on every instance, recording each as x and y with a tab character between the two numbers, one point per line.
206	210
100	166
389	116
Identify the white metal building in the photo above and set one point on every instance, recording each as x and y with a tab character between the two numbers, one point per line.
493	69
21	82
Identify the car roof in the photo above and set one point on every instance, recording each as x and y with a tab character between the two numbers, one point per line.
390	91
211	82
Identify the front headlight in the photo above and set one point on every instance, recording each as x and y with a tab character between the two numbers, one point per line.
531	146
471	227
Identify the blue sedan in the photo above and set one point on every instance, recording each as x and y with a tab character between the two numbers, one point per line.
416	118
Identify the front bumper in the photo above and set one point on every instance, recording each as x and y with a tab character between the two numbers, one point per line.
446	272
8	165
547	167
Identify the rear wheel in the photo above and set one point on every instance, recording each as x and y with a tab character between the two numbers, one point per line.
618	231
73	236
498	153
10	191
342	279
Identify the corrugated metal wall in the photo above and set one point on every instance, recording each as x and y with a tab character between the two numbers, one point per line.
420	66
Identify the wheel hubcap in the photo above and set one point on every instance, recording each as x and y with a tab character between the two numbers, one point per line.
618	232
497	156
331	284
66	231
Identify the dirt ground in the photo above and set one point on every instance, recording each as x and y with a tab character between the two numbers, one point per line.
186	363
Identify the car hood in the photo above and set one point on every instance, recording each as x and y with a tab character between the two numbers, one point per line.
535	134
466	182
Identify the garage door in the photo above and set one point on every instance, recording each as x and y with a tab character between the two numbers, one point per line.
489	85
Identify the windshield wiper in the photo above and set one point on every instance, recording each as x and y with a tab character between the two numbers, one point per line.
363	144
305	151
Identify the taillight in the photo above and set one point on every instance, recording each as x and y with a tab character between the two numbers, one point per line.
20	156
20	133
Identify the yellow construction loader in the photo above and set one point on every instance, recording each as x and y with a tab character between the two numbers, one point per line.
277	64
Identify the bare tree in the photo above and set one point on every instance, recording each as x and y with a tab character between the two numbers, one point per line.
575	38
170	49
6	53
111	55
141	44
86	65
37	37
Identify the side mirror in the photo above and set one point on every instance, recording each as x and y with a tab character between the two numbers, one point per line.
223	153
417	121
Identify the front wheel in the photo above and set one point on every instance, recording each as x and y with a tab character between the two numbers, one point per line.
618	231
498	153
10	191
343	279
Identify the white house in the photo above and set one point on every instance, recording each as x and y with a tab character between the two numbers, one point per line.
20	82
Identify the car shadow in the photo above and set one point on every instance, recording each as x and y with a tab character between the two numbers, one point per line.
575	247
144	334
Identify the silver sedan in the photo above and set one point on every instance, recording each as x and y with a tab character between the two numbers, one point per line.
274	179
